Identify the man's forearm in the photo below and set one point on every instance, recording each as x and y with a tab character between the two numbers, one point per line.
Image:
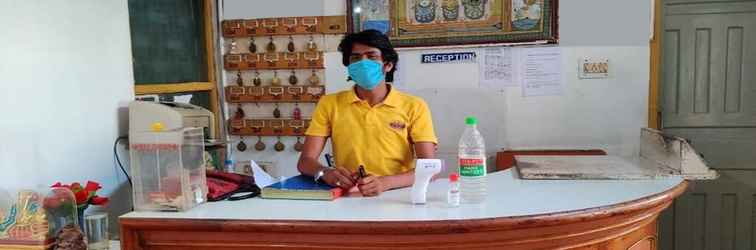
423	150
399	180
309	166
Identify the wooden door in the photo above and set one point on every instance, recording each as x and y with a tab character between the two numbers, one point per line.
708	95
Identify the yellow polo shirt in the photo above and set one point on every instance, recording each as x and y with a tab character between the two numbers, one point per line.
379	137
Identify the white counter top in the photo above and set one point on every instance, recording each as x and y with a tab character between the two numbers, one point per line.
507	196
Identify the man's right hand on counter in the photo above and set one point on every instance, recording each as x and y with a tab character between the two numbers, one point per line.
339	177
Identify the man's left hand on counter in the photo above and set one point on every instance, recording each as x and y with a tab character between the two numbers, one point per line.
372	185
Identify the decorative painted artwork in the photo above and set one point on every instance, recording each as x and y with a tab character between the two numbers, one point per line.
418	23
30	220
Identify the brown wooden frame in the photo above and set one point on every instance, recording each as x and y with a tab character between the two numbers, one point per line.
654	111
553	39
211	85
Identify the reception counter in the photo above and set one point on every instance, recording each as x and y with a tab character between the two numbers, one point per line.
518	214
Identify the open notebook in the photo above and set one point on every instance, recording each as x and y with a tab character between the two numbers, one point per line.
301	187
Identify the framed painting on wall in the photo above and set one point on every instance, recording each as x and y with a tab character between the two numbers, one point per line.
421	23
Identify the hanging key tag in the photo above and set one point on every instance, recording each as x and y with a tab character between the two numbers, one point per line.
260	145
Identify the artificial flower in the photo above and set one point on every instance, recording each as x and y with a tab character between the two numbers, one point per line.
99	201
85	196
92	186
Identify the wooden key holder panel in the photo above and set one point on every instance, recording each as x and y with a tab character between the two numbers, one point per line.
274	94
284	26
268	127
278	60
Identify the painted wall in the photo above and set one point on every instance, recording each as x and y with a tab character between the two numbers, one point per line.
65	70
601	113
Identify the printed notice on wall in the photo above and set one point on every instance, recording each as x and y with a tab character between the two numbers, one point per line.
541	71
497	69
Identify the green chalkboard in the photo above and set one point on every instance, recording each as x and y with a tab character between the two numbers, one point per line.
167	41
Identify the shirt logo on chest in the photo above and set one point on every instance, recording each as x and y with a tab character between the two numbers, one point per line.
398	125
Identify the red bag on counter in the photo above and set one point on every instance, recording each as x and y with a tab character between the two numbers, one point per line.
222	186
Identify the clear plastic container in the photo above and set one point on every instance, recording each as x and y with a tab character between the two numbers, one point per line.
96	229
168	169
472	164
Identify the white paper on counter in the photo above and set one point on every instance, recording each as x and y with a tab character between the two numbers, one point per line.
262	178
497	69
541	71
183	98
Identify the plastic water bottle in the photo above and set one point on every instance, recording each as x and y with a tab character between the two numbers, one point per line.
228	166
472	163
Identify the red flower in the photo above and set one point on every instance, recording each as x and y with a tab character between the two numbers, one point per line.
92	186
99	201
81	197
75	187
85	196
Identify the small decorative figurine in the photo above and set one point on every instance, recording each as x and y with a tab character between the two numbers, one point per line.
70	237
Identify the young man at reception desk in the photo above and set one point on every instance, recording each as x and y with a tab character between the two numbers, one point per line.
371	125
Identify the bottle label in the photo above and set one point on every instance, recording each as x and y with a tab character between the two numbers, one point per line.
472	167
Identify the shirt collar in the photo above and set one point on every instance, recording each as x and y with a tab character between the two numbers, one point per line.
392	99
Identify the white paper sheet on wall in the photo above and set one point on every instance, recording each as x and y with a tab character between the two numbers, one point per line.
541	71
497	68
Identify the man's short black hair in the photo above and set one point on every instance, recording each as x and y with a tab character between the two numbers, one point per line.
371	38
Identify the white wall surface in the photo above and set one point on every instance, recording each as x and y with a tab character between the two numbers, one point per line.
599	113
65	69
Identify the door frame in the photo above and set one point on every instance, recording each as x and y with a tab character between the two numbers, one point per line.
654	110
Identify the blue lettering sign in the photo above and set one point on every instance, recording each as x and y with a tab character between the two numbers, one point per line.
448	57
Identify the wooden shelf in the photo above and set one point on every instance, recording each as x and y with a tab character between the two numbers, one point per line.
277	60
268	127
170	88
284	26
287	94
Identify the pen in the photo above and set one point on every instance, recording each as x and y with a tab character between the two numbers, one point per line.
328	160
361	171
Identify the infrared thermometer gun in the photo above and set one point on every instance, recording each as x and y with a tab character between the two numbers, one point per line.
425	169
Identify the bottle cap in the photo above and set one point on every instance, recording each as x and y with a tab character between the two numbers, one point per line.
453	177
471	120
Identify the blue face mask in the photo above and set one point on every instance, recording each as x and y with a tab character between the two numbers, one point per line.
366	73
